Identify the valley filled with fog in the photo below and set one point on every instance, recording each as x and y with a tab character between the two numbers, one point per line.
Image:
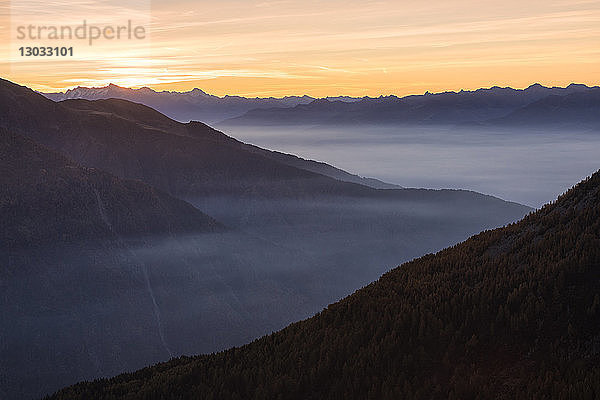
129	238
529	166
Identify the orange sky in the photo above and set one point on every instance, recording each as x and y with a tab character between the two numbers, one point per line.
320	48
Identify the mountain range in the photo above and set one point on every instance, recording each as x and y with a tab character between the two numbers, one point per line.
510	313
132	238
535	106
191	105
182	106
573	105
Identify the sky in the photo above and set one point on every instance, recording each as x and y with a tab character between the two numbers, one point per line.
320	48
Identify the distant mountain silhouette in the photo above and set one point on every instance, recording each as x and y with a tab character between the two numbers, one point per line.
296	239
572	110
493	106
440	108
182	106
449	108
510	313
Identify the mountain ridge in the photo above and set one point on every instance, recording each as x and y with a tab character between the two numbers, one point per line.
446	108
113	105
65	115
79	91
558	111
198	105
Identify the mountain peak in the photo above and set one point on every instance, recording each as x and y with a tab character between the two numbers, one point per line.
196	92
536	86
146	90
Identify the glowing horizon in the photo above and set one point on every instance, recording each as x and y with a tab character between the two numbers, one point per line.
355	48
300	95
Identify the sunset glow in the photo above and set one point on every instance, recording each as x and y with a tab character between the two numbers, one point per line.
327	48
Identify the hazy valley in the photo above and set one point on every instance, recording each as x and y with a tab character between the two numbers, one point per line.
134	275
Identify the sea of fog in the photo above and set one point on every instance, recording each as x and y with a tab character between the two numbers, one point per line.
529	166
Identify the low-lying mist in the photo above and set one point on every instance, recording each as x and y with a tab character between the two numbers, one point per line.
79	311
527	165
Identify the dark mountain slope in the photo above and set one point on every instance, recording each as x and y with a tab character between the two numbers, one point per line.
196	163
135	142
134	112
138	112
45	197
321	168
100	275
510	313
